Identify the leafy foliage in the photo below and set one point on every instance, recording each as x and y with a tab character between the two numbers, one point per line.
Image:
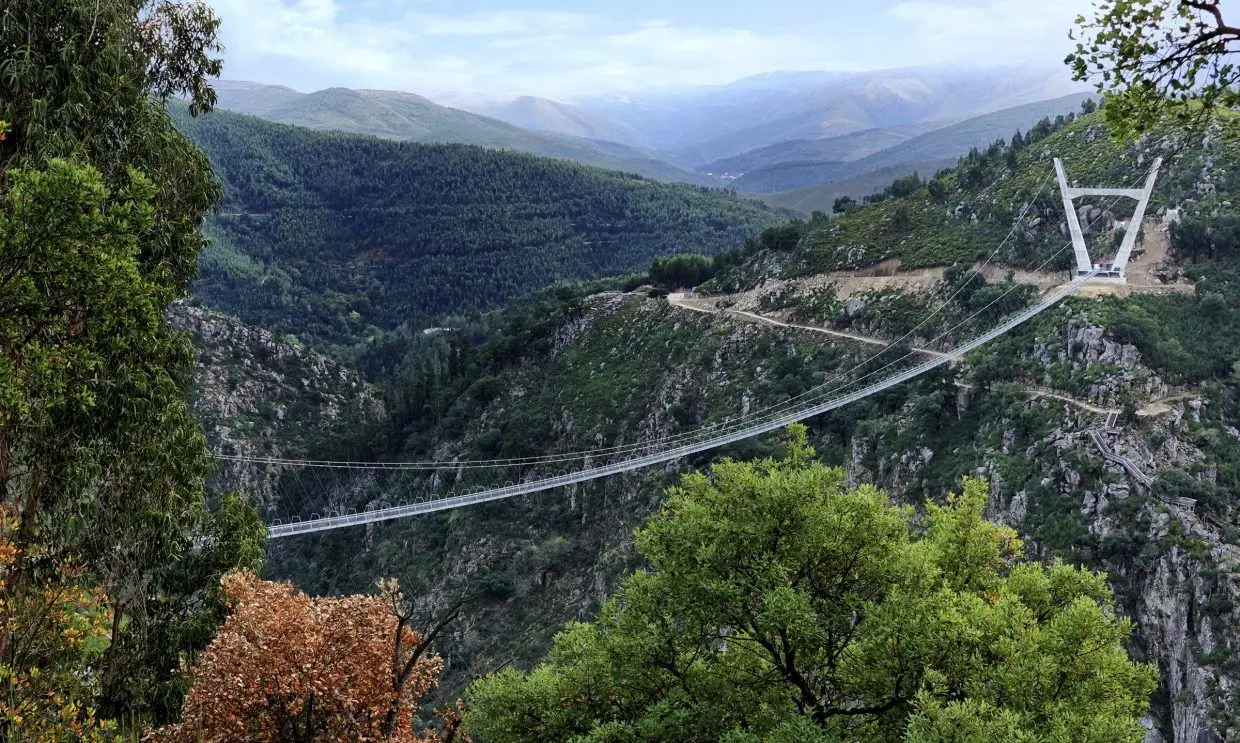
780	606
52	625
287	667
100	204
1158	57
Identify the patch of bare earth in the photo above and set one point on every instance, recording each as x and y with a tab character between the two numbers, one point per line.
1146	269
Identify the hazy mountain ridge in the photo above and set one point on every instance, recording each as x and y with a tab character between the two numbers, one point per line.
773	123
704	125
822	197
845	148
407	116
546	115
942	144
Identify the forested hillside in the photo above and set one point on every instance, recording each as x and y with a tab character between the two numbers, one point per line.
332	235
572	371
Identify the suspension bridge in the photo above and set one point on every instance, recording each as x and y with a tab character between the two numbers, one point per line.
604	462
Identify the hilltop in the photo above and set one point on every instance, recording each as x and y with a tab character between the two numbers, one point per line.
406	116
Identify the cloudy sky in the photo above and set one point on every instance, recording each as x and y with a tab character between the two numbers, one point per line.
565	49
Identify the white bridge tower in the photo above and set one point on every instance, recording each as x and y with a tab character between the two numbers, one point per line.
1114	272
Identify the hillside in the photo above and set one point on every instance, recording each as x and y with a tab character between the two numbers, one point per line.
256	393
822	198
405	116
942	144
958	217
331	236
573	371
840	149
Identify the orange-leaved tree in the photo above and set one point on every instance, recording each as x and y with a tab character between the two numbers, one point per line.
290	668
53	629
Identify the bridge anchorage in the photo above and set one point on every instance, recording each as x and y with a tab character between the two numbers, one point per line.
1113	272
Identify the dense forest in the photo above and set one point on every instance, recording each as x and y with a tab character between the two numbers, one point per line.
330	235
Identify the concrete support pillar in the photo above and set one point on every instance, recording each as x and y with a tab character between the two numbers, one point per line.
1142	196
1083	264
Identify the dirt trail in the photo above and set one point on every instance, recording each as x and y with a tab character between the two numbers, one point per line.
702	305
1142	273
706	306
1142	268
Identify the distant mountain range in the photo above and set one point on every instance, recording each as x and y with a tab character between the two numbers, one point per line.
774	170
764	135
707	124
397	115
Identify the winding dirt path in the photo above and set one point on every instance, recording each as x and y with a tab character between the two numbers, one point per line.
679	299
706	307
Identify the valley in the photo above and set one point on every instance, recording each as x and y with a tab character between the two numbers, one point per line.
941	115
589	369
448	373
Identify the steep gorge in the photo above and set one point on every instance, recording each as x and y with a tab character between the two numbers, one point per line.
585	370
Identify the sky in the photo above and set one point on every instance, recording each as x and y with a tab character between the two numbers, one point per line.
567	50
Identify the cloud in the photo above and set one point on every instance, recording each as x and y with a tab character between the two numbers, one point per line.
401	44
501	23
316	43
1010	30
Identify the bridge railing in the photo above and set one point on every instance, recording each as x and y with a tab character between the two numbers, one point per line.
659	456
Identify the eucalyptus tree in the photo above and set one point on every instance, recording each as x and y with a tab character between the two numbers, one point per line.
102	199
1154	58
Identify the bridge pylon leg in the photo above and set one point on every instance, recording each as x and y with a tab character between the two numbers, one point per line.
1115	272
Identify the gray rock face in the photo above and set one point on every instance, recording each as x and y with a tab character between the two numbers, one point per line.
258	395
1094	219
1088	346
1173	623
854	306
1170	566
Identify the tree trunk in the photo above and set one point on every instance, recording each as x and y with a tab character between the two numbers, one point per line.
6	463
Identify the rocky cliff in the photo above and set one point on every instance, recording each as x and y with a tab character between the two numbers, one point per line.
261	395
1108	428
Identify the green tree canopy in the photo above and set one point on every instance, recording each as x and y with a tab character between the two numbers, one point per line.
100	205
781	605
679	271
1152	58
